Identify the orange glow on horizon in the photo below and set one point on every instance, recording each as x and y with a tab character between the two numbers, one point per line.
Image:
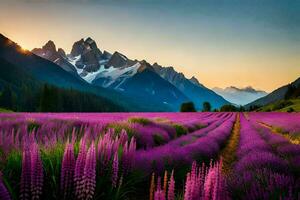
23	50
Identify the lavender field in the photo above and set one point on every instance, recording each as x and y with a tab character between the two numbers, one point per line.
155	156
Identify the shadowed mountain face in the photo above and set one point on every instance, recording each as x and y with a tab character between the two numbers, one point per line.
195	91
240	96
136	78
26	74
44	71
276	95
48	51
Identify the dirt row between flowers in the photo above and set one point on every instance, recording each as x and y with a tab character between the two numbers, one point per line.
279	131
228	154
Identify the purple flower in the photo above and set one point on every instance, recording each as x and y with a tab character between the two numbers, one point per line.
79	169
115	170
36	172
67	172
89	175
171	188
4	194
25	175
159	195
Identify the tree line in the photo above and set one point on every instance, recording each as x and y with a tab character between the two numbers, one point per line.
48	98
206	107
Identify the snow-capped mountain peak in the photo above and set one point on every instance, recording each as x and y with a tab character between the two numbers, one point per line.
133	77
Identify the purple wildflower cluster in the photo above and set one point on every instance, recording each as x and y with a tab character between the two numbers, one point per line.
202	183
32	173
78	178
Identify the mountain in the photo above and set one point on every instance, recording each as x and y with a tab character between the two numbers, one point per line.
20	91
42	71
240	96
163	85
49	52
276	95
132	78
195	91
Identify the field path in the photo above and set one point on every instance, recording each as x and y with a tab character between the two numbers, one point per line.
228	154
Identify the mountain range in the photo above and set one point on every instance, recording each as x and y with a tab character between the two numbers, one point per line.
139	79
240	96
277	95
26	73
100	81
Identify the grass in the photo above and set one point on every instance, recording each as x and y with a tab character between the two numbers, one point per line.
119	126
295	106
3	110
180	130
139	120
282	106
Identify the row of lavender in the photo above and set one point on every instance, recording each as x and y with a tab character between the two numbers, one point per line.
268	165
285	123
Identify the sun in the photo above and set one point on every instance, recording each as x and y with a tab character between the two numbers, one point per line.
23	50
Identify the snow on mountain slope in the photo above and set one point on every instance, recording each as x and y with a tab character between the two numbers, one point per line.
116	76
111	74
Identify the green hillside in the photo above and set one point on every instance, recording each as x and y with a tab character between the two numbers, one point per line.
282	106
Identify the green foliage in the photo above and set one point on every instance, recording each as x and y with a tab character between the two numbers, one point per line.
254	107
52	159
12	169
33	126
180	130
139	120
187	107
3	110
281	104
228	108
118	127
53	99
47	98
241	109
7	98
206	107
128	189
158	139
291	105
50	99
292	92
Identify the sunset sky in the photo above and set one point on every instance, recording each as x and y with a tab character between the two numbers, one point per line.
221	42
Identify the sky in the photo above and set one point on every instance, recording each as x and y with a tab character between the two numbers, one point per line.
220	42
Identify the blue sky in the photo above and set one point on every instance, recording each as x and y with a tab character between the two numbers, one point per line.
221	42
